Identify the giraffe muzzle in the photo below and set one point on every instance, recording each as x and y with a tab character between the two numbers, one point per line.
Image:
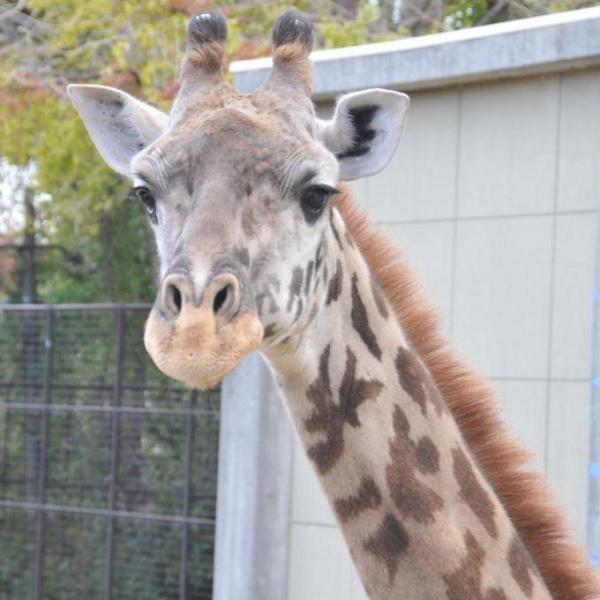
200	340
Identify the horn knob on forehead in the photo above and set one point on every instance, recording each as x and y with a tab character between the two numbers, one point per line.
206	37
293	37
207	27
201	66
293	28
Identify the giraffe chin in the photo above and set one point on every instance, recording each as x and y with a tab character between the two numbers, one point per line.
198	350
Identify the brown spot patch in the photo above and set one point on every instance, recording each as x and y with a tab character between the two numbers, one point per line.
336	235
414	499
270	330
521	566
295	287
427	455
335	285
416	381
466	582
368	496
309	274
360	321
472	493
388	543
320	253
328	417
299	308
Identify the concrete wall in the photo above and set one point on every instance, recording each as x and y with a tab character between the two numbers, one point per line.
493	194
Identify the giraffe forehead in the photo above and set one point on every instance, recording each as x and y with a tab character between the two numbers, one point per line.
242	118
229	145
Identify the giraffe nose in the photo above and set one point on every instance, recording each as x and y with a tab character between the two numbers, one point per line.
198	334
221	295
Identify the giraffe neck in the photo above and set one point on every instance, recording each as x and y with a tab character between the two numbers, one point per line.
418	515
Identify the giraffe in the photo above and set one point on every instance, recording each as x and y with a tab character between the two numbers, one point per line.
261	247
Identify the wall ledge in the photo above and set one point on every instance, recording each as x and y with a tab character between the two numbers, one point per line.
529	46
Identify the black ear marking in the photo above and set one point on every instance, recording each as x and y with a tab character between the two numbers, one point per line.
207	27
292	28
361	118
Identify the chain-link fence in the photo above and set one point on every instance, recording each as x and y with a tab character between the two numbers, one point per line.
108	469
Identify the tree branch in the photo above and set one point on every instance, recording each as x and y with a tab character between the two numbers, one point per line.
17	8
498	6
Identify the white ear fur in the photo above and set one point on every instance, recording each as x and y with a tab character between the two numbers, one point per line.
365	130
120	125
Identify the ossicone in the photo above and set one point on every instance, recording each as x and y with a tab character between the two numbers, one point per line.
293	37
207	27
206	37
293	28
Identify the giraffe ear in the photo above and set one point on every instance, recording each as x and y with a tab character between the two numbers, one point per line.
120	126
365	130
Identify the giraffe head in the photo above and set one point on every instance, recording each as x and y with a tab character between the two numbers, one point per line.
237	189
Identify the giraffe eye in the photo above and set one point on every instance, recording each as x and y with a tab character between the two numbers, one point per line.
315	197
143	194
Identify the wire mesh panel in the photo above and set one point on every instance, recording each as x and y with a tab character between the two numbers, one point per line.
108	469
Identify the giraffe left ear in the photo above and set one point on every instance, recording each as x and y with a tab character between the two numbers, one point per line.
365	130
120	125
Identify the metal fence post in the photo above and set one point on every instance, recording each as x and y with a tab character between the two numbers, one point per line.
43	462
114	455
254	487
189	440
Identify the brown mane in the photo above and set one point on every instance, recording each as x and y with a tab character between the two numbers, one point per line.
524	494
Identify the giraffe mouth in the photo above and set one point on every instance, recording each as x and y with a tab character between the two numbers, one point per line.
197	348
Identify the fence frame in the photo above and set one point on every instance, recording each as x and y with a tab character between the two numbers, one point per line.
45	408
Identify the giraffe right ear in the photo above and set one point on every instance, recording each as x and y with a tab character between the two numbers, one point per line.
365	130
120	125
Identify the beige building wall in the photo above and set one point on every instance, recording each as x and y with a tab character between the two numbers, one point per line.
493	195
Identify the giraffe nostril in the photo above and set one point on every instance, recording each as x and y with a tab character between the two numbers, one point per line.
174	295
221	298
176	291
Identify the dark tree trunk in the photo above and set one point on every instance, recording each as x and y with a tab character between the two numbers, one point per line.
348	6
107	227
30	351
